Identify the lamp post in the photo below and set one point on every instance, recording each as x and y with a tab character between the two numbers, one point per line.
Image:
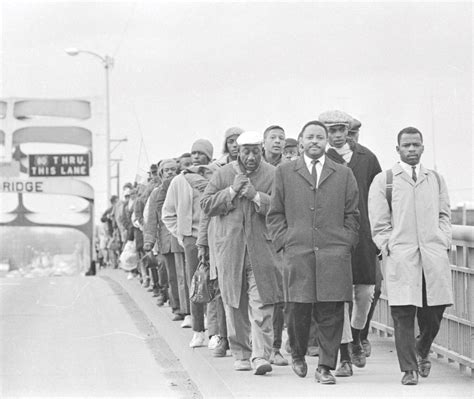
108	63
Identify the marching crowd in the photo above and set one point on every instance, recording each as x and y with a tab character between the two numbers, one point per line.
296	233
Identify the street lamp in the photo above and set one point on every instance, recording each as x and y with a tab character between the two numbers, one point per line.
107	62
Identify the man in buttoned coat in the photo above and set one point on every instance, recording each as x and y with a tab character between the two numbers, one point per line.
238	196
413	231
314	220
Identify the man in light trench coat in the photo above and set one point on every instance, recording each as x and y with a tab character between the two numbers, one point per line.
413	231
238	196
314	220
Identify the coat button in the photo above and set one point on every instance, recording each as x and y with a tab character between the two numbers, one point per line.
316	248
315	228
312	208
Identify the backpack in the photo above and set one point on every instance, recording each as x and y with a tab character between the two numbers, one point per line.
389	185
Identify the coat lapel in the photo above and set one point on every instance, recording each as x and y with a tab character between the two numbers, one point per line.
398	170
301	168
328	170
357	153
422	175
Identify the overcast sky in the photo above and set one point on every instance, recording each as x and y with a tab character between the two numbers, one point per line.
188	70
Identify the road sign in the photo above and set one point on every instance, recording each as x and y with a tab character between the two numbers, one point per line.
58	165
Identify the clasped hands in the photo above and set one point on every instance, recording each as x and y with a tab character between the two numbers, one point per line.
243	187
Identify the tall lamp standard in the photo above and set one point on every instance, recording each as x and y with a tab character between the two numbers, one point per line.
107	62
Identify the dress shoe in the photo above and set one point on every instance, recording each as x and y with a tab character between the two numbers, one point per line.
424	366
160	300
177	317
312	351
410	378
367	347
242	365
344	369
277	358
300	367
358	356
261	366
324	376
221	349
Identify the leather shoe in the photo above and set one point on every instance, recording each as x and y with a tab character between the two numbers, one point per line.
367	347
424	366
344	369
300	367
358	356
324	376
177	317
410	378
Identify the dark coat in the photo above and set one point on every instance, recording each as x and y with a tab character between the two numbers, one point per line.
316	228
240	226
365	166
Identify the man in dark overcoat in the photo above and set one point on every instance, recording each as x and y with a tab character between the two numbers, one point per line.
314	220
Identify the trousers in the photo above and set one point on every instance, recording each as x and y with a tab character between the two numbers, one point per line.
192	262
429	321
329	318
362	296
251	319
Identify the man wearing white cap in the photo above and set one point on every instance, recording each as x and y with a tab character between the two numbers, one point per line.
239	194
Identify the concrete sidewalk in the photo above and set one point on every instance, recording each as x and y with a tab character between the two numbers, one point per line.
215	377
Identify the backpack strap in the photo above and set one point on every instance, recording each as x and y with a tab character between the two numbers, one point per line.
389	185
389	188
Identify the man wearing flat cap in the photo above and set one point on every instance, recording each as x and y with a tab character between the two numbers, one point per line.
291	151
238	195
353	134
365	166
180	214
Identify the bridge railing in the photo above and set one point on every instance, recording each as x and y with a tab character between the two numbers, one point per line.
455	340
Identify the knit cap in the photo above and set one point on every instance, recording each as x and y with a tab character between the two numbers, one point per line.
204	146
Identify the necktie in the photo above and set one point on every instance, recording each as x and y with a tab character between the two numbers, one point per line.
314	173
413	173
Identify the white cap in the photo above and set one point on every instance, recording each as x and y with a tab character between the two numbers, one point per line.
249	138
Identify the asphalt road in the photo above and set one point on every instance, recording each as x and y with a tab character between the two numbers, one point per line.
82	337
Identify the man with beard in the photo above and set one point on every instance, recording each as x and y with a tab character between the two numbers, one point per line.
238	196
314	220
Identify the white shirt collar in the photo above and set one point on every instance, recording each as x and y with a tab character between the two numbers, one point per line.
409	168
309	161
